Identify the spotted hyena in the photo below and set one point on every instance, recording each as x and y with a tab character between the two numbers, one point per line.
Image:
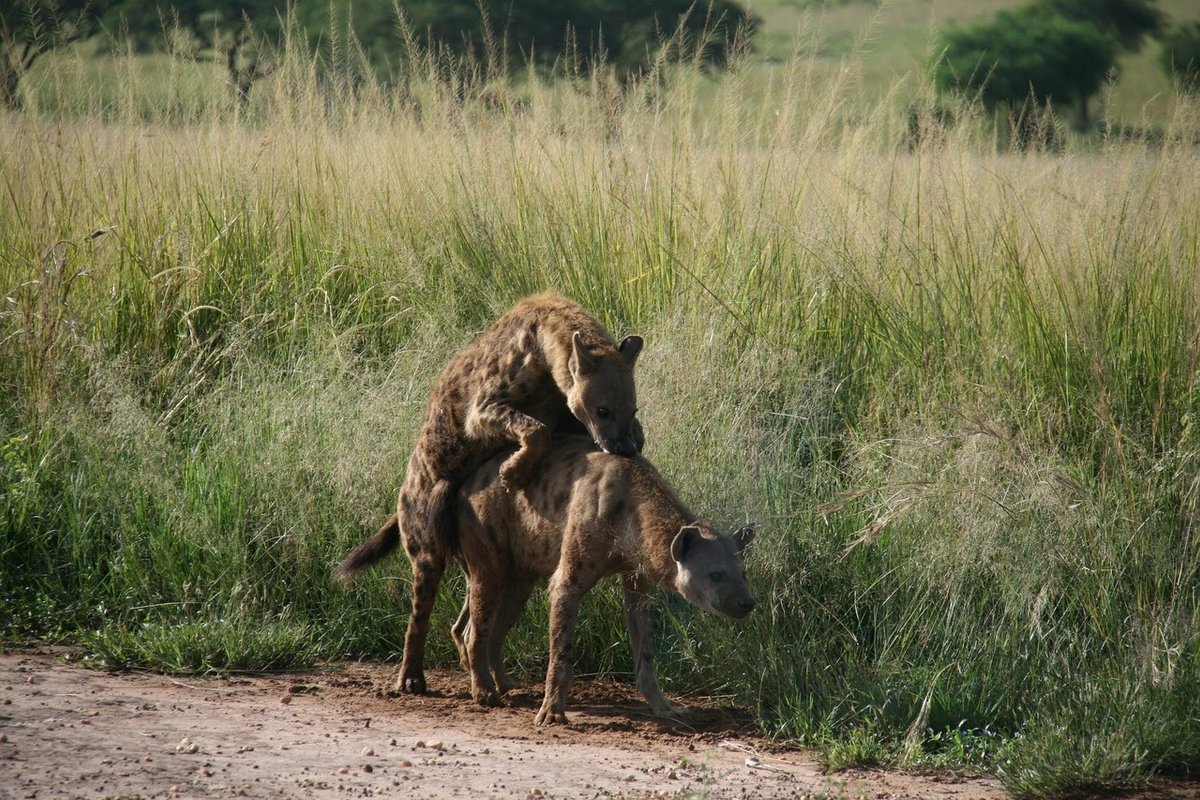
545	364
589	515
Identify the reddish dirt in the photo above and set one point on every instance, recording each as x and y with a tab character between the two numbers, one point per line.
68	731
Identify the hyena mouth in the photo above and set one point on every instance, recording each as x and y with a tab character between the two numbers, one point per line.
619	447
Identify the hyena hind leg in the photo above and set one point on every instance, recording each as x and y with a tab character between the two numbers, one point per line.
507	615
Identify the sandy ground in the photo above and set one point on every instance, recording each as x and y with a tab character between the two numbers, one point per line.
67	731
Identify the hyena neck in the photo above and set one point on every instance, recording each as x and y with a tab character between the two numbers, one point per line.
555	342
660	517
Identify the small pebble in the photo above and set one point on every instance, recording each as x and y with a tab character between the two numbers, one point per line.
368	750
287	698
368	768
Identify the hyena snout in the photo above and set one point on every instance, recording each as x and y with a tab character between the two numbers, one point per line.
625	446
724	594
741	606
614	437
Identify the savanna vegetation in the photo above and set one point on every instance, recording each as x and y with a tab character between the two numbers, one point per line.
956	385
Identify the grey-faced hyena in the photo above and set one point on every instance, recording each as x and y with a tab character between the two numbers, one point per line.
589	515
545	363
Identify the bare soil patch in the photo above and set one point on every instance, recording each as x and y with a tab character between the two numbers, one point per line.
68	731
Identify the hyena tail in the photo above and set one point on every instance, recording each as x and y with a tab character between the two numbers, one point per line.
439	522
439	517
375	549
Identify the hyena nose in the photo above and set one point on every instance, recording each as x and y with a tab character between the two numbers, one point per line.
625	446
746	604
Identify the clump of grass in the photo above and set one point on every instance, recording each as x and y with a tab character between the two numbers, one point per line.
206	646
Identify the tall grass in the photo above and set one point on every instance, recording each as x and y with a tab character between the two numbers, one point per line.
955	386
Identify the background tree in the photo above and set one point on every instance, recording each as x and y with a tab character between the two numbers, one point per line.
1026	54
31	28
1181	56
1126	23
625	34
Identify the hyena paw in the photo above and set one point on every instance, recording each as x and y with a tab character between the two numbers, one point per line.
516	470
507	684
666	709
486	697
411	683
548	716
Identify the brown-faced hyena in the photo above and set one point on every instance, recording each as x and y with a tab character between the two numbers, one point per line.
545	364
588	515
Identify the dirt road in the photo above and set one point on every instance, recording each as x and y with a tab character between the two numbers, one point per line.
67	731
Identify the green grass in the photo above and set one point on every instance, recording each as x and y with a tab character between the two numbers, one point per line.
956	387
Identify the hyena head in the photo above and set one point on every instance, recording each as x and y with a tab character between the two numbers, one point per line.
709	570
602	396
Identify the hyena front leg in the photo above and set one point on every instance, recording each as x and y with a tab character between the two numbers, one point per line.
492	417
638	605
567	588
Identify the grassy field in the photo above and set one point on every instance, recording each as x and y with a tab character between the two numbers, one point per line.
956	387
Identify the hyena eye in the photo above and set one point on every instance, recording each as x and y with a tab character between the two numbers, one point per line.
602	412
716	577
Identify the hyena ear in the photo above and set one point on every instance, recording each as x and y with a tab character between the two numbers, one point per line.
629	347
743	537
688	535
581	361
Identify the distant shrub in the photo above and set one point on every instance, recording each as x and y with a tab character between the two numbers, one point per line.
1026	54
1181	56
